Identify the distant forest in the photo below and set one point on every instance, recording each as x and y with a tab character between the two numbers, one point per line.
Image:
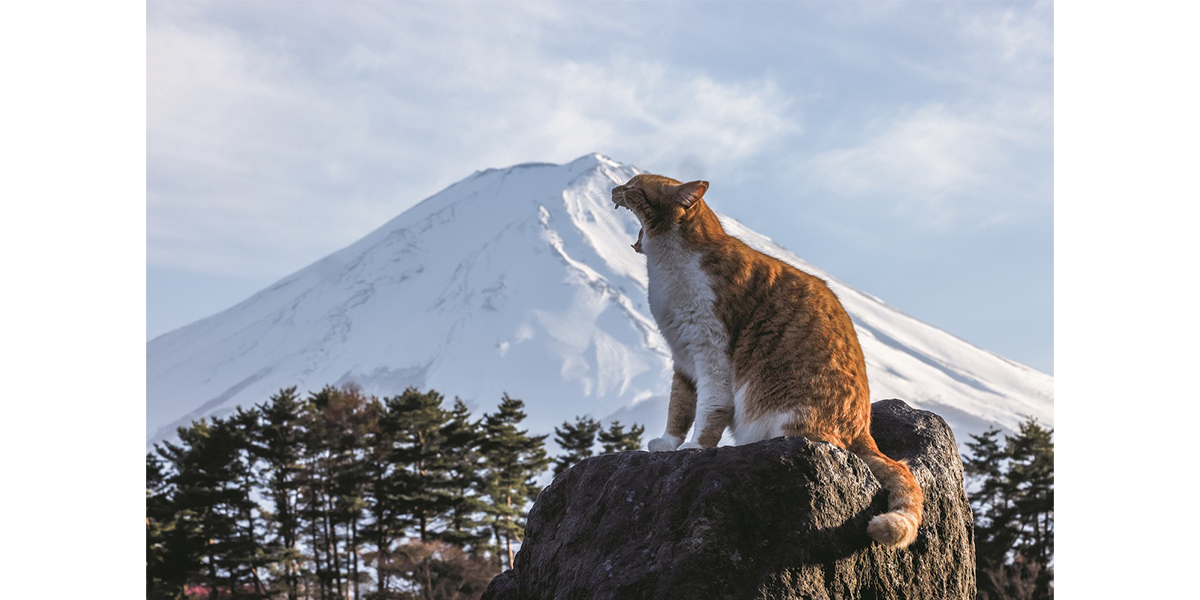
340	495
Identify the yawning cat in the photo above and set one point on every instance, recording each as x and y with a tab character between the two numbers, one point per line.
759	346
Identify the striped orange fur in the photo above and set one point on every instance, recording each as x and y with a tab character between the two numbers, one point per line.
760	348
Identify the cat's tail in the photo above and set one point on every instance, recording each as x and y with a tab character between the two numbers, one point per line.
898	526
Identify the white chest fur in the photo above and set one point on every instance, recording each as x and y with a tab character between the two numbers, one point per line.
682	301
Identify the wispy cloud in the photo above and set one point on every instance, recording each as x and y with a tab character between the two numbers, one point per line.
257	144
980	156
1022	38
938	164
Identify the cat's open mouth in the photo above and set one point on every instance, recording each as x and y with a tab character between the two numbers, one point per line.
618	202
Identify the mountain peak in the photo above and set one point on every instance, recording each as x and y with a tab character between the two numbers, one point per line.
587	161
595	159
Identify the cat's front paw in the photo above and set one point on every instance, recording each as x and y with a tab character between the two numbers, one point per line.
692	445
663	444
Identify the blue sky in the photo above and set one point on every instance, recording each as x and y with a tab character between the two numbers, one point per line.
905	147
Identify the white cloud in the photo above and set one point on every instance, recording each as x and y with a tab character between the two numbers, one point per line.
926	155
980	156
1021	36
643	111
263	144
238	148
941	165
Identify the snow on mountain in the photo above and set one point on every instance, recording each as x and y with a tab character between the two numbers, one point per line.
521	280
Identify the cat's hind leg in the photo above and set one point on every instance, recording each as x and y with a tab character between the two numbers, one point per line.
710	428
680	413
797	425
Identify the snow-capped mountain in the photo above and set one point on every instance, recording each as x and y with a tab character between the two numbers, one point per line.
522	280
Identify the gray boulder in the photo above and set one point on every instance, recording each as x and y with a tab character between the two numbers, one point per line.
782	518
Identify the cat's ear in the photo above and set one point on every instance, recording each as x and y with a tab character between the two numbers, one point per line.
688	194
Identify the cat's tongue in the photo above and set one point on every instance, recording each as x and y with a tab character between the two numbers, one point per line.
637	246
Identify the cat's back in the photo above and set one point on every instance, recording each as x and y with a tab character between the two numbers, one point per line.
752	275
760	291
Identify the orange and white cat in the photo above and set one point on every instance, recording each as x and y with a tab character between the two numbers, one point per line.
759	347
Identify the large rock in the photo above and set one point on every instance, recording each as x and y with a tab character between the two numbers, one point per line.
783	518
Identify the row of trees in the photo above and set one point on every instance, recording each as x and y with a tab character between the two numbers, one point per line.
341	495
1012	496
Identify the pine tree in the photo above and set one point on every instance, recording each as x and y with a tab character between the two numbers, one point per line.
513	459
382	496
337	420
243	428
157	518
352	480
616	439
279	443
986	463
1031	470
462	439
310	514
312	507
420	463
1012	491
211	501
986	467
576	440
172	547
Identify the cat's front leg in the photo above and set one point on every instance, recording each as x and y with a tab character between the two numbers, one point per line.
714	401
680	414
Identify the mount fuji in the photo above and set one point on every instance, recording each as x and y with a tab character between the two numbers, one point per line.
522	281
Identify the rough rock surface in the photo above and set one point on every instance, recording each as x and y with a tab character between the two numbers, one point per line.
782	518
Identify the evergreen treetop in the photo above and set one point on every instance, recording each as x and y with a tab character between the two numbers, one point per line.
617	439
576	440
